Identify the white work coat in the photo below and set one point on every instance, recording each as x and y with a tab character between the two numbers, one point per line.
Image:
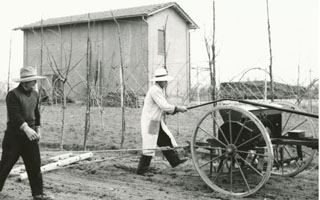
153	111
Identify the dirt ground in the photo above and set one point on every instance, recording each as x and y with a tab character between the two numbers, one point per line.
115	178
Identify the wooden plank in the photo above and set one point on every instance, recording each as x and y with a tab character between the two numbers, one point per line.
61	157
60	163
17	170
20	169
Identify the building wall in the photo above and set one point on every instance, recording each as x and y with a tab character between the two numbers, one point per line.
134	53
177	45
59	42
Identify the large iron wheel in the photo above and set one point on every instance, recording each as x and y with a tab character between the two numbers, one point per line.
232	151
291	159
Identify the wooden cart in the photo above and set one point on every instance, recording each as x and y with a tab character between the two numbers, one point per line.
235	148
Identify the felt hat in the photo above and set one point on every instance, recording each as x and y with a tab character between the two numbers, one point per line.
161	74
27	74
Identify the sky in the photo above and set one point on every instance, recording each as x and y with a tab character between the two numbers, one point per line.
241	34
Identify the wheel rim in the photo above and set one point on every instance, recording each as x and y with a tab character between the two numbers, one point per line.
287	159
223	142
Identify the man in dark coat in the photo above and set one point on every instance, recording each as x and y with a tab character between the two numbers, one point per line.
23	132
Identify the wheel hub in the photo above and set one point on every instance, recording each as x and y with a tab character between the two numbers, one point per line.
231	149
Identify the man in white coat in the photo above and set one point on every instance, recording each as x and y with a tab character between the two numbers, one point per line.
154	131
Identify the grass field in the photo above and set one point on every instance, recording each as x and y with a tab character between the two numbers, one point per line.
181	126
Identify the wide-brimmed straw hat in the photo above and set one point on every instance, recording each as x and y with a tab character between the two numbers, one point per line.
161	74
28	73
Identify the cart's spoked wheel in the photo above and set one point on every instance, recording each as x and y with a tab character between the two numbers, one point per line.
291	159
232	151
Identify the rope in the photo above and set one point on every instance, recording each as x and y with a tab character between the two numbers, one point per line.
113	158
122	150
91	162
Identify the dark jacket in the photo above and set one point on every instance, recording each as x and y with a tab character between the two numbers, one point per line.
22	106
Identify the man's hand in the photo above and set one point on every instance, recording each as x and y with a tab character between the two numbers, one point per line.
181	109
31	134
38	130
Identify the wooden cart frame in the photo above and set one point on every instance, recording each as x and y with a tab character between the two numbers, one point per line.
235	148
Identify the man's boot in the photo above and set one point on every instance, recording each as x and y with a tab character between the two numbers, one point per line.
144	164
43	197
173	158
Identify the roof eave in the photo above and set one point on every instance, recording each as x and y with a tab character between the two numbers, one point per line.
192	24
178	9
74	22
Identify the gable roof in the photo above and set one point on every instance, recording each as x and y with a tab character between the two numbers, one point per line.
142	11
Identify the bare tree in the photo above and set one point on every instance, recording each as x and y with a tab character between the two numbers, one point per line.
41	48
61	72
9	68
213	62
165	53
309	93
212	56
88	95
212	59
97	92
41	64
270	52
298	81
122	84
307	90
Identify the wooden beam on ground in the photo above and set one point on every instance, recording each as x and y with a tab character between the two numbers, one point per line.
61	157
20	169
60	163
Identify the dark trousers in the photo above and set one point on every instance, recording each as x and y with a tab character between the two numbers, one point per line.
171	155
163	139
13	147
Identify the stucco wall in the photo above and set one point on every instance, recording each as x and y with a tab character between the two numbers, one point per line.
104	38
177	45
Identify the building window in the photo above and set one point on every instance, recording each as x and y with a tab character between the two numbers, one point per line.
161	42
